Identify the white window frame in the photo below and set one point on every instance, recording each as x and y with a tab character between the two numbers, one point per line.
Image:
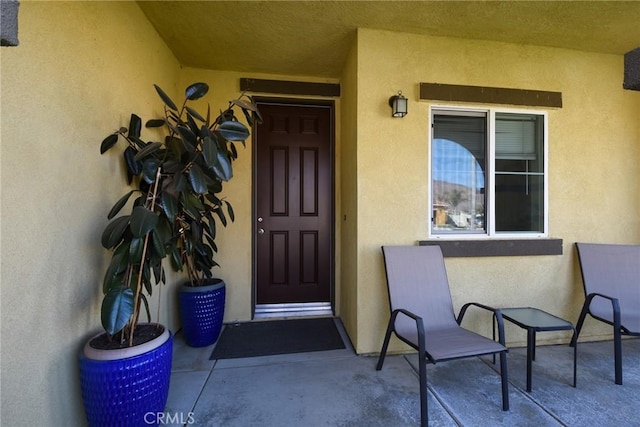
491	232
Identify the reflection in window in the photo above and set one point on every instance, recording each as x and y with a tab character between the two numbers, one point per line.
465	197
458	169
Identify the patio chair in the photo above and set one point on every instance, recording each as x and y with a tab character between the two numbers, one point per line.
422	316
611	281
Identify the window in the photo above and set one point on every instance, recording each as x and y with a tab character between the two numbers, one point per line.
488	173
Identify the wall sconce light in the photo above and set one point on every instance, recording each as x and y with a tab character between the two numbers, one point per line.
398	104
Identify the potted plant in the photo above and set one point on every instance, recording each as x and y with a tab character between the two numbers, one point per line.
125	370
201	300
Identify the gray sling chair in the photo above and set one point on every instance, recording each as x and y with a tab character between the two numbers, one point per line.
611	281
422	316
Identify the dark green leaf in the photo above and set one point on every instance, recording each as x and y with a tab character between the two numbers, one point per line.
257	117
196	91
211	226
233	131
195	114
119	204
192	204
232	216
134	167
173	117
135	125
135	250
197	179
117	309
180	182
215	186
227	115
196	231
146	275
222	167
165	233
245	105
176	261
234	152
119	261
143	298
158	245
108	142
142	221
211	242
169	205
150	170
213	199
158	274
188	136
200	249
155	123
139	143
223	219
249	116
114	231
168	102
171	166
192	124
152	147
209	151
175	147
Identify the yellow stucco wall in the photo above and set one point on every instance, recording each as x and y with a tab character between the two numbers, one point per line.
348	184
81	68
594	165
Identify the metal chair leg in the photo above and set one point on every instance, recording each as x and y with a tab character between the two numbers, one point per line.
422	372
385	344
505	381
576	332
617	353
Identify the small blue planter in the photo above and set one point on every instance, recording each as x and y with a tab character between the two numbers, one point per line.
202	312
126	392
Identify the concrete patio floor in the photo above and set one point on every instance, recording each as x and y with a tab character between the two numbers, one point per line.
340	388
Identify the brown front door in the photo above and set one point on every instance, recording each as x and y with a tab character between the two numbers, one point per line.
294	204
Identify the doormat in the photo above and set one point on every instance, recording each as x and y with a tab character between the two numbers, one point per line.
267	338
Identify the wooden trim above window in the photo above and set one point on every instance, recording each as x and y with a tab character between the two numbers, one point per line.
490	95
494	247
286	87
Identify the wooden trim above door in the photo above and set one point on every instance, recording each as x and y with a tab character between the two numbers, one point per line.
286	87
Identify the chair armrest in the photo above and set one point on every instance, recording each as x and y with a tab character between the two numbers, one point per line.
497	314
615	303
419	326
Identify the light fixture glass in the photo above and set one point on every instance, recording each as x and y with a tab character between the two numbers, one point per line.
399	105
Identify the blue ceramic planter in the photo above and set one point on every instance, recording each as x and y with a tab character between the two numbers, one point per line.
202	312
126	392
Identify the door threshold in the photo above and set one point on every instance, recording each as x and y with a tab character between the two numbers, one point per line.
293	310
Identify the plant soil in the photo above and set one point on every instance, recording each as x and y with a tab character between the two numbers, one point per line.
142	334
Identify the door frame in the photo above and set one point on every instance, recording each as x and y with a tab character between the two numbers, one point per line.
294	309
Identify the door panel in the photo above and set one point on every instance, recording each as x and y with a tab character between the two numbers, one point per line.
294	204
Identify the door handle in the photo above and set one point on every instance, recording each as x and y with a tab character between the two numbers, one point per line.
260	230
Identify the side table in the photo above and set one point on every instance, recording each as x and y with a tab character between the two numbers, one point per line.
536	320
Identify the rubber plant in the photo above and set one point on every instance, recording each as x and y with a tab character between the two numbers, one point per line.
173	214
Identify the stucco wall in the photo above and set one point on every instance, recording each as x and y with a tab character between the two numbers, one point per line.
81	68
349	190
594	165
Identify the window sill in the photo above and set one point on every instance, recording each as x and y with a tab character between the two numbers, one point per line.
505	247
